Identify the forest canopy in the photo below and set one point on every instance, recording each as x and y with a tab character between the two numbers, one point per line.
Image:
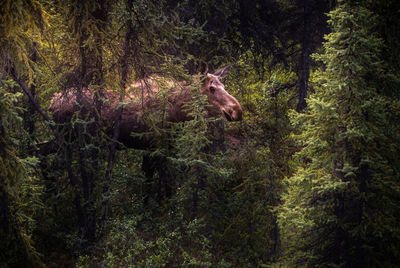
143	133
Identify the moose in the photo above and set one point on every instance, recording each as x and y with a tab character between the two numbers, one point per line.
220	103
126	114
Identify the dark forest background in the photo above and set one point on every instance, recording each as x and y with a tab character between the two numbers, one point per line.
309	178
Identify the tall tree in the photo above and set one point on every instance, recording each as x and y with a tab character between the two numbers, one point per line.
20	25
302	29
16	248
86	22
341	205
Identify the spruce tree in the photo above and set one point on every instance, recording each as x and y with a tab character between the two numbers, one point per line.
340	209
17	249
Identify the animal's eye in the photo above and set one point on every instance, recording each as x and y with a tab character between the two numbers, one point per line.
212	89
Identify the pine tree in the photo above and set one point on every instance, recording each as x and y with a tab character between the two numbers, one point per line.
340	209
16	245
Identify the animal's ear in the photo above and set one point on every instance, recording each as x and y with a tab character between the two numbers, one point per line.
223	72
203	67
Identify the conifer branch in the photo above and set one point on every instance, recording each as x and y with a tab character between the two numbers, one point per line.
13	73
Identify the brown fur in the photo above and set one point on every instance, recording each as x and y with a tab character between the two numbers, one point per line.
142	98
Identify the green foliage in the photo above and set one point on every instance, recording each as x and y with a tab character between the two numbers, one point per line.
20	23
203	205
205	192
337	211
18	202
246	214
128	245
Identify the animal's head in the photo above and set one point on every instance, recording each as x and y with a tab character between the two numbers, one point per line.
221	102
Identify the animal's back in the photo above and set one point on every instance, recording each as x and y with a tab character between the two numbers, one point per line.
144	97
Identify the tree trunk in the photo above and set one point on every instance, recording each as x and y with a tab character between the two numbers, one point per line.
304	71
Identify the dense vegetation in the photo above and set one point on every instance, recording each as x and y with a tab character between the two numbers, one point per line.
309	178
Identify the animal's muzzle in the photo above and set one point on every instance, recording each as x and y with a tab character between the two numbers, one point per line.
233	114
228	116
